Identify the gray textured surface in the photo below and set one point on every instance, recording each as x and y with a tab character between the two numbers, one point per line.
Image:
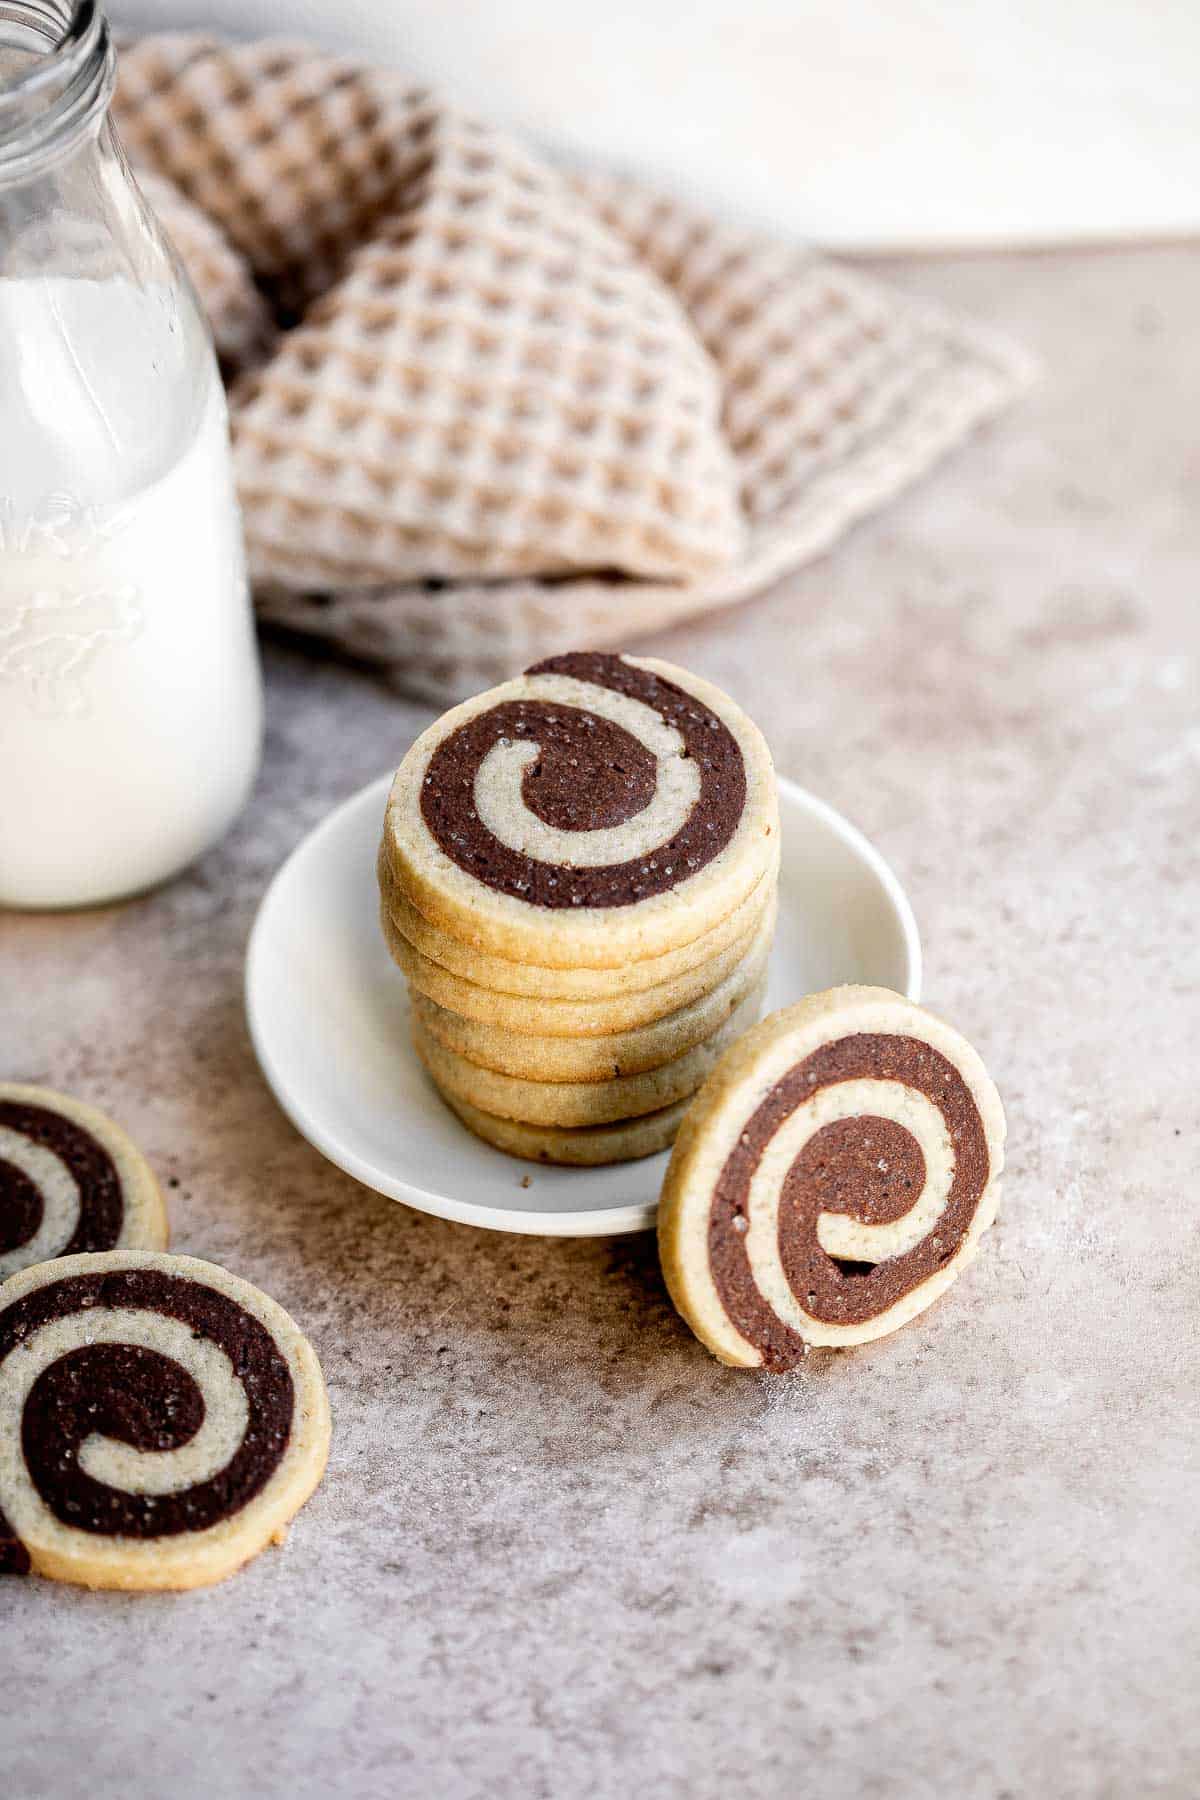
558	1550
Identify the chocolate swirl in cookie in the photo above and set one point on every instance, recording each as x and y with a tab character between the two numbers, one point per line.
578	783
112	1373
59	1187
853	1183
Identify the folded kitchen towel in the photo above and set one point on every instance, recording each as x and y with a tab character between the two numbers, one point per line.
483	411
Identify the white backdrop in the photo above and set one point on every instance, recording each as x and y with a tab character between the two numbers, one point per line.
855	122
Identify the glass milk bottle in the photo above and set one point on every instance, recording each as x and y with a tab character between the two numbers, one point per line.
130	695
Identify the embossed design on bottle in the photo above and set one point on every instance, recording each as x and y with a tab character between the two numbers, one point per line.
55	618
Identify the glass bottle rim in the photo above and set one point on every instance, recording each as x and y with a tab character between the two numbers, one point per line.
62	91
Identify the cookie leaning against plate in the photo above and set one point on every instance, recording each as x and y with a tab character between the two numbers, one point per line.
70	1181
831	1179
535	980
596	809
160	1421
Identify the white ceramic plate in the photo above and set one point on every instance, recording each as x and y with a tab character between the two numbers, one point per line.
328	1015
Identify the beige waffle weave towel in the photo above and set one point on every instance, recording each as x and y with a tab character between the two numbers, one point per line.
482	413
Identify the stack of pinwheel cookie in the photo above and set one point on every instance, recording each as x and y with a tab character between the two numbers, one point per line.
578	879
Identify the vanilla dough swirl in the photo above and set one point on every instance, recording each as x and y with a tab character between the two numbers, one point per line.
614	803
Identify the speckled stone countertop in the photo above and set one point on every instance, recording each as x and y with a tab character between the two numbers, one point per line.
559	1551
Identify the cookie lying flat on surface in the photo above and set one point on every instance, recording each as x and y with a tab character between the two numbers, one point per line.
160	1421
832	1178
597	809
574	1103
589	1146
609	1055
70	1181
537	981
541	1018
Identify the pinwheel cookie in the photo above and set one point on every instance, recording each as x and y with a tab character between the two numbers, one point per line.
584	1146
160	1421
595	810
833	1177
70	1181
505	1015
572	1103
416	942
599	1056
